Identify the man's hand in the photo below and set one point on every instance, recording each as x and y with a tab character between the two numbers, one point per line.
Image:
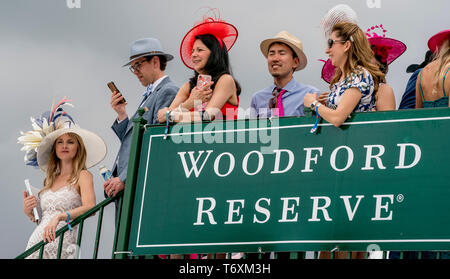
113	186
116	98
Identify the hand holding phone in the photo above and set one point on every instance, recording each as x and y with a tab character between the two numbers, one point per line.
113	88
203	80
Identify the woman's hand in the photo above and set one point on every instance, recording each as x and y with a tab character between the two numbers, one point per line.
50	230
29	202
309	99
162	115
199	96
323	98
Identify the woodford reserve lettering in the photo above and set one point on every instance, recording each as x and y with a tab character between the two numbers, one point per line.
290	205
371	156
195	161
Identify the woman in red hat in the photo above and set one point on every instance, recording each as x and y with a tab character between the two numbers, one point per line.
212	92
433	85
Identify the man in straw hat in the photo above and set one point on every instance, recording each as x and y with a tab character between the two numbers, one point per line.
148	62
285	56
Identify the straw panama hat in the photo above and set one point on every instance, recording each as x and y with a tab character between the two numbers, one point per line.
290	40
94	144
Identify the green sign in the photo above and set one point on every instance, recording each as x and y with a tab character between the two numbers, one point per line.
380	180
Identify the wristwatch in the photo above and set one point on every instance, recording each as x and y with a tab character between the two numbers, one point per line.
313	105
170	116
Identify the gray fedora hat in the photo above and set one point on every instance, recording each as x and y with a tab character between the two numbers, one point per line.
146	47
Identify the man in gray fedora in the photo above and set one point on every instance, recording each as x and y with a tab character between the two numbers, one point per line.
148	62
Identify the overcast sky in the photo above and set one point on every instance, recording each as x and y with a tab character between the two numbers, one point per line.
49	50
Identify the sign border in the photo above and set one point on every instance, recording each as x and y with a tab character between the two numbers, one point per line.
283	241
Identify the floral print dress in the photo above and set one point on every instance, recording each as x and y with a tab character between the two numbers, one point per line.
360	79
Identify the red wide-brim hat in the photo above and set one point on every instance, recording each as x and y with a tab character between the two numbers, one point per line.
225	33
389	49
435	42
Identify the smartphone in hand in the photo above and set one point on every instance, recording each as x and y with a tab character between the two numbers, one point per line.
113	88
203	80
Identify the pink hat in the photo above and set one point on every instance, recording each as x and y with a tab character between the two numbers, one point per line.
387	48
435	42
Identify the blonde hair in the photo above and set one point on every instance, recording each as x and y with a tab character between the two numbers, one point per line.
360	53
54	168
443	58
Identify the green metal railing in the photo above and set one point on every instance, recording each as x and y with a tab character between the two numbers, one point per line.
80	222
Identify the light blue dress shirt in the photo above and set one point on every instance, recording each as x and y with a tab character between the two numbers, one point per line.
292	100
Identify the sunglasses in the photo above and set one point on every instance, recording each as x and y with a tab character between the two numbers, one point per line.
331	42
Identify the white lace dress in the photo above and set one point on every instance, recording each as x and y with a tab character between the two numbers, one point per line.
52	204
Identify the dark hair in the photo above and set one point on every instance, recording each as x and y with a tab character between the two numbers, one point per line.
294	54
218	63
382	63
162	61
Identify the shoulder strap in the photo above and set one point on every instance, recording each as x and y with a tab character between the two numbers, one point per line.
420	84
443	81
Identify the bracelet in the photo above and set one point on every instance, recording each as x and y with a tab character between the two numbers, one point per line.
205	115
166	131
68	221
314	128
170	116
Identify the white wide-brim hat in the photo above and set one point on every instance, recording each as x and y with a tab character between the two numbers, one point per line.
293	42
94	144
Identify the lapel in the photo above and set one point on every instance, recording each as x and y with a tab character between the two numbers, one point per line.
148	101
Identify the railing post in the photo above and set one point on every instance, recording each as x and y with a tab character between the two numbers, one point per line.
130	187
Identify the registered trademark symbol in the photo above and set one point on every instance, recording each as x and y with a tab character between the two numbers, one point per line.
400	198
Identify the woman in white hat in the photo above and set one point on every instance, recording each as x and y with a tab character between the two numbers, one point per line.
65	152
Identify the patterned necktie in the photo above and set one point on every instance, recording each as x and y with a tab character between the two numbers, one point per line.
147	92
276	102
